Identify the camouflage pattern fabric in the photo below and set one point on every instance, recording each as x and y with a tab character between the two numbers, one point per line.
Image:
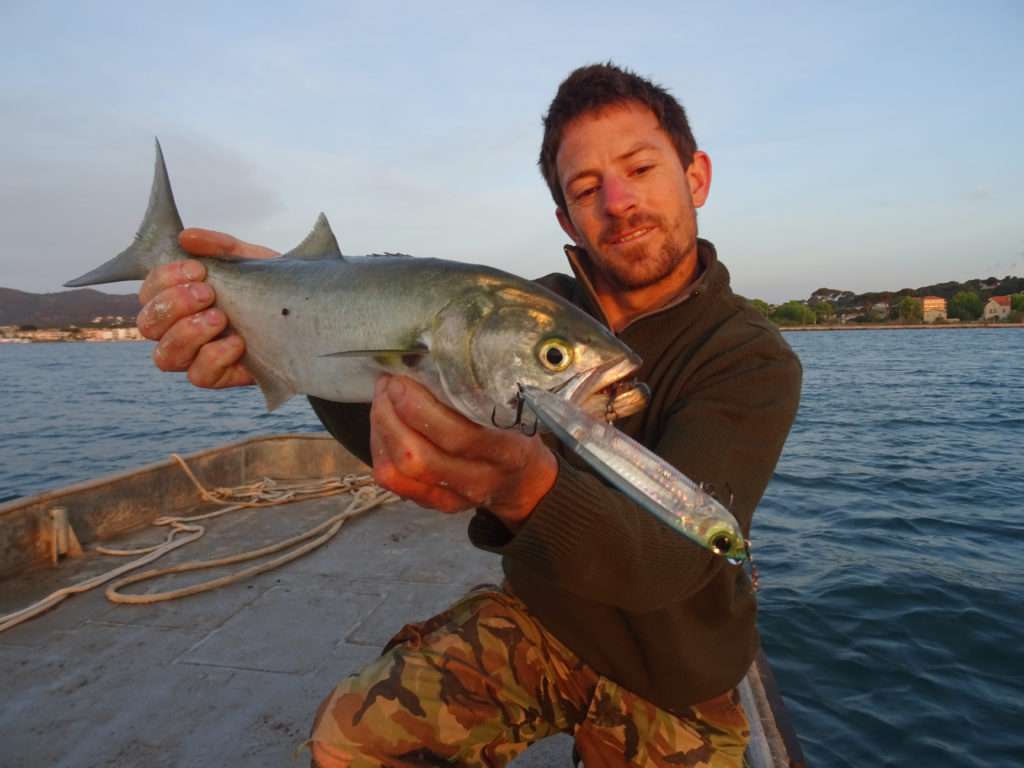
480	682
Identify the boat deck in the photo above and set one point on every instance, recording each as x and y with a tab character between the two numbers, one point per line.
232	676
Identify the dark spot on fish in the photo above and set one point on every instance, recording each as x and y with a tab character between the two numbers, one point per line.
285	311
411	360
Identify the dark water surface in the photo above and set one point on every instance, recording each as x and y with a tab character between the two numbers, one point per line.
890	543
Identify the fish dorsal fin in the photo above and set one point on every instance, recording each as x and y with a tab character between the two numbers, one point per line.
320	243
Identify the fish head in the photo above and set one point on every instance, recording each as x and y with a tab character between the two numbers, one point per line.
490	343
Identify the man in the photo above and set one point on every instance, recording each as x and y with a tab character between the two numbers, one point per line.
609	627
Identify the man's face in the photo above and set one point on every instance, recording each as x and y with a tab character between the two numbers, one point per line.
631	204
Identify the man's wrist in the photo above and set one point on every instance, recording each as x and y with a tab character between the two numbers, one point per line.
537	479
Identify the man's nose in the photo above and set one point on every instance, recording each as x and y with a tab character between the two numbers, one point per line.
619	196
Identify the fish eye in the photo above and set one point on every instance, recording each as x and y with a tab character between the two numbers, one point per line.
555	355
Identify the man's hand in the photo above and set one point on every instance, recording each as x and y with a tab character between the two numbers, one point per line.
178	313
432	455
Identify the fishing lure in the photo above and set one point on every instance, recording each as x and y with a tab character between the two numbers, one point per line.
645	477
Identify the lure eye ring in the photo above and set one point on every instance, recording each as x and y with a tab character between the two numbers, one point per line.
725	542
555	355
721	544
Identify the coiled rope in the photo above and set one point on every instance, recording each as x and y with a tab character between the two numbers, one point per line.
183	530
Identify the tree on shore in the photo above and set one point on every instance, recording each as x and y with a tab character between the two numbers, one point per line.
762	307
1017	302
911	310
794	313
965	305
824	312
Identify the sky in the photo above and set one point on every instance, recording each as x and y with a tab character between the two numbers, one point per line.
859	146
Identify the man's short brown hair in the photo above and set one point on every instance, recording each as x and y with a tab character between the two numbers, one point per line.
599	86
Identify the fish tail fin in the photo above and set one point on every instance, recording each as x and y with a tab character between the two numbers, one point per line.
155	243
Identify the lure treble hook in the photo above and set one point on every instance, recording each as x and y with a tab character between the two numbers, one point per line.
518	422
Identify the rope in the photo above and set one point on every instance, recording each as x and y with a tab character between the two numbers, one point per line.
183	530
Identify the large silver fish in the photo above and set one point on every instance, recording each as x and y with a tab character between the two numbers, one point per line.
319	323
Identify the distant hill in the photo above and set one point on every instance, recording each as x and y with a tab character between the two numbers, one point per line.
59	310
848	300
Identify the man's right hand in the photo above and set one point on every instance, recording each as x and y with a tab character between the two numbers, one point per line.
178	313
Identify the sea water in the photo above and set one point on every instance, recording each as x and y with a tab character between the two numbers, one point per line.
890	541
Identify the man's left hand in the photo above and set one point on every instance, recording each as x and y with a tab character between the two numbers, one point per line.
427	453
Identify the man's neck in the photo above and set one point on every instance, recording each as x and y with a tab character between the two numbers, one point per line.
622	306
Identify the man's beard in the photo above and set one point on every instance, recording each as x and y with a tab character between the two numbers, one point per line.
635	268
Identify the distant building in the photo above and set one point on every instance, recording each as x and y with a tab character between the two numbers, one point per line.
997	308
933	308
111	334
879	311
46	334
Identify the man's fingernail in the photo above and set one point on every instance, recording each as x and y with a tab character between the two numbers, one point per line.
211	317
201	291
193	270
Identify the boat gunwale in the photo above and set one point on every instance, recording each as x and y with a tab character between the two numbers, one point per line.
107	506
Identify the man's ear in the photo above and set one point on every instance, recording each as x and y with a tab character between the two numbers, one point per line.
698	176
566	224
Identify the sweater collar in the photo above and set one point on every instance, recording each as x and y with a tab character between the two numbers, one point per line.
579	260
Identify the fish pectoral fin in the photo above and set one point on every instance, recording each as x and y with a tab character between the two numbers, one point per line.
378	352
320	243
407	357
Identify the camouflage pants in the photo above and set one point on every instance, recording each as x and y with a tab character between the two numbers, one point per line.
480	682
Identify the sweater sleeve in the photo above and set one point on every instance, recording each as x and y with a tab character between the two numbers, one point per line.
726	427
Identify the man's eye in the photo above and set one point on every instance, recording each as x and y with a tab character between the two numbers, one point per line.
583	194
640	170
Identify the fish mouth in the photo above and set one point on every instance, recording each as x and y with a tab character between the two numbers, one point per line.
607	392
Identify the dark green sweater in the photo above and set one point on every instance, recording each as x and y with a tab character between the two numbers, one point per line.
643	606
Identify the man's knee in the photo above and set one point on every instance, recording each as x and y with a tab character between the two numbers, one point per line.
326	756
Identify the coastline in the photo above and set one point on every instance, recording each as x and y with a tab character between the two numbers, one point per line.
896	326
22	340
782	328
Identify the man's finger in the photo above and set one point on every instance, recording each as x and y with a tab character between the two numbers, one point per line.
209	242
166	276
179	303
452	432
218	364
386	475
417	458
178	347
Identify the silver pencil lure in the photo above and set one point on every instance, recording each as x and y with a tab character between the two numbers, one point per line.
642	475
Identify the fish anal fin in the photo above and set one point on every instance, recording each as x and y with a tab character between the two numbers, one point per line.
276	389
